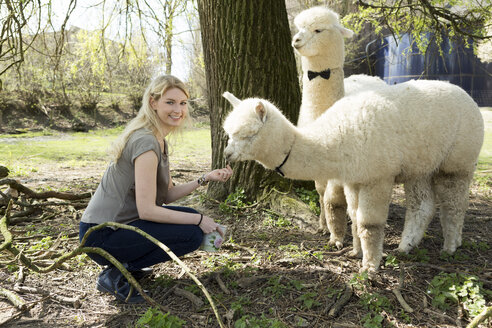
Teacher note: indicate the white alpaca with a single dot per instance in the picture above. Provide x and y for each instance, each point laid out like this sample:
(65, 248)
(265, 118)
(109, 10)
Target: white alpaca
(320, 42)
(428, 138)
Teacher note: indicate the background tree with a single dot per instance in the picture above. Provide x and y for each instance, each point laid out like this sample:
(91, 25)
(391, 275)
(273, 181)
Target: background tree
(22, 22)
(457, 20)
(247, 52)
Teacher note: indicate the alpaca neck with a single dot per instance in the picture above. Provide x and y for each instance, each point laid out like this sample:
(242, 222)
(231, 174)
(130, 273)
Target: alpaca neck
(319, 94)
(297, 160)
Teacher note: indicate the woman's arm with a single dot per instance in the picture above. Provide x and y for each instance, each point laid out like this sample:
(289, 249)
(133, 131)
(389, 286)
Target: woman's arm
(176, 192)
(146, 190)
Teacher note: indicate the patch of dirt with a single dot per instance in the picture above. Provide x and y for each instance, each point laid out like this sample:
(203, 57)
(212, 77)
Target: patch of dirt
(298, 277)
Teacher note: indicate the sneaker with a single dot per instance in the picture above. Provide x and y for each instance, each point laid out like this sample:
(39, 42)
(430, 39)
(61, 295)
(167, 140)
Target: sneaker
(142, 273)
(112, 281)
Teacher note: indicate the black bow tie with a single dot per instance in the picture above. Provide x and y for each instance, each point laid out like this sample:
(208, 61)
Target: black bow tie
(324, 74)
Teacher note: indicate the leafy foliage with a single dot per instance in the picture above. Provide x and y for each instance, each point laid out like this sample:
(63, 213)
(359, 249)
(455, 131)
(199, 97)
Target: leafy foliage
(309, 300)
(454, 288)
(154, 318)
(248, 321)
(310, 197)
(236, 201)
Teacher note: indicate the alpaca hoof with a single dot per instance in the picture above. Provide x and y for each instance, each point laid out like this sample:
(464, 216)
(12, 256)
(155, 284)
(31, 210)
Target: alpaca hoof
(371, 272)
(450, 250)
(322, 231)
(405, 249)
(355, 254)
(451, 247)
(338, 244)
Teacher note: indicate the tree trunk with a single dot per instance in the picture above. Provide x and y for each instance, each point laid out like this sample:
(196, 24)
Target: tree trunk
(247, 51)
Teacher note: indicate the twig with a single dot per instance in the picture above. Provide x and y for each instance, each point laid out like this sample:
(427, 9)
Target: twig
(340, 303)
(245, 248)
(397, 292)
(440, 315)
(20, 276)
(73, 301)
(221, 283)
(248, 281)
(339, 252)
(197, 302)
(402, 301)
(13, 298)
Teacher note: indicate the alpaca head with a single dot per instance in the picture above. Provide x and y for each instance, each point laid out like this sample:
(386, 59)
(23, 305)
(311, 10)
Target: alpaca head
(251, 127)
(320, 34)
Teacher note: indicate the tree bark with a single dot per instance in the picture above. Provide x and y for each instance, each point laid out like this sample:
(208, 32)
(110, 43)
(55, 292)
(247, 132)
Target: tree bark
(4, 171)
(247, 52)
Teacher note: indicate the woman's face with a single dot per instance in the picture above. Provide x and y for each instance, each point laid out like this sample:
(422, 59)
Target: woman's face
(171, 108)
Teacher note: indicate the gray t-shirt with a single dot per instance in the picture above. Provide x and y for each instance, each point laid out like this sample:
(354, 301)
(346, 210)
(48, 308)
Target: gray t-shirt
(114, 199)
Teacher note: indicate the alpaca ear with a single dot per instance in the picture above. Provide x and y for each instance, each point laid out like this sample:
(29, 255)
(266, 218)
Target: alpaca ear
(231, 98)
(261, 111)
(347, 33)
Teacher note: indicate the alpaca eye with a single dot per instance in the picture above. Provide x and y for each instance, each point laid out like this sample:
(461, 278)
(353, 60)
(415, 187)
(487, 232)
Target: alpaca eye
(317, 31)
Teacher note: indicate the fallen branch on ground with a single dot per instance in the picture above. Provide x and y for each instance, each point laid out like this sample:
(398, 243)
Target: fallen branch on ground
(197, 302)
(340, 303)
(14, 184)
(15, 299)
(73, 301)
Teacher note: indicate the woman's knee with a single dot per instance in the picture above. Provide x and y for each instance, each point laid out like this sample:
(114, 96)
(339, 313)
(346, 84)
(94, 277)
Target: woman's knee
(196, 237)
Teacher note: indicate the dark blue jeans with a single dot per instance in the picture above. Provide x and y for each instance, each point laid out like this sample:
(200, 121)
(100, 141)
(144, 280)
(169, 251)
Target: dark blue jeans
(137, 251)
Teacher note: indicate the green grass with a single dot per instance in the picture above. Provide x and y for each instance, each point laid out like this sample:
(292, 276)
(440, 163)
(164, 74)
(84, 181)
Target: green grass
(29, 151)
(485, 159)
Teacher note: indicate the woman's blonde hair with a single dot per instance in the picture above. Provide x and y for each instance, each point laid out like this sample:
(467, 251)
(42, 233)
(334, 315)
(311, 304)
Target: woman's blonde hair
(147, 116)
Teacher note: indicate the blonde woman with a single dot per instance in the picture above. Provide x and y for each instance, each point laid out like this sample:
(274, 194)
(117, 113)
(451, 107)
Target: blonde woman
(134, 188)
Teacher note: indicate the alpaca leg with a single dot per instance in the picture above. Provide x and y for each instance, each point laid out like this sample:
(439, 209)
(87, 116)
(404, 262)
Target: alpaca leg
(320, 188)
(372, 213)
(420, 203)
(335, 207)
(452, 193)
(352, 194)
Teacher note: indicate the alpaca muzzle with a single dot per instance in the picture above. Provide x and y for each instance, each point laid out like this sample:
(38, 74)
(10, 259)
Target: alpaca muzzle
(228, 154)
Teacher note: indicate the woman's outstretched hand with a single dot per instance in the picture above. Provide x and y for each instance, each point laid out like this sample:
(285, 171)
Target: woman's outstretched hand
(220, 175)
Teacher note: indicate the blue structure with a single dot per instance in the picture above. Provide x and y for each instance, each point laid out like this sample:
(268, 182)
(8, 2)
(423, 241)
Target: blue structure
(401, 61)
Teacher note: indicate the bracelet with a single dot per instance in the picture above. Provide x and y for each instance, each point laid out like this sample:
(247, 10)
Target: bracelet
(201, 218)
(201, 181)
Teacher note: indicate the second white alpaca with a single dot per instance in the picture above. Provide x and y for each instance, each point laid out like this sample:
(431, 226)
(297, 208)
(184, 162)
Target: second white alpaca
(428, 138)
(320, 43)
